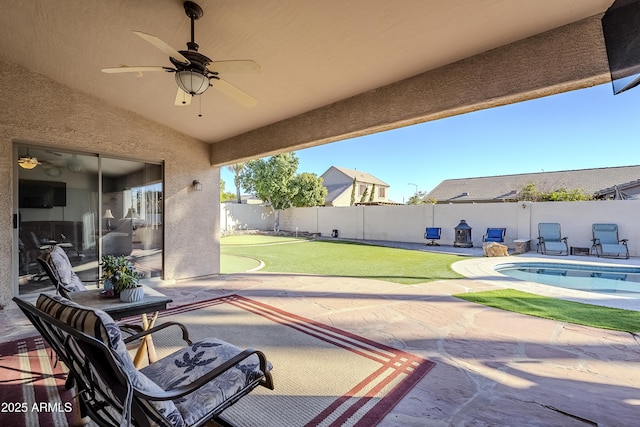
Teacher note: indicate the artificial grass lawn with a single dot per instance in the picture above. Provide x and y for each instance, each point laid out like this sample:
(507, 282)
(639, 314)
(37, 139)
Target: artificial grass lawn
(346, 259)
(556, 309)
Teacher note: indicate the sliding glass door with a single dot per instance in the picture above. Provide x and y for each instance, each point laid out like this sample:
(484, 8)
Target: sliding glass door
(89, 205)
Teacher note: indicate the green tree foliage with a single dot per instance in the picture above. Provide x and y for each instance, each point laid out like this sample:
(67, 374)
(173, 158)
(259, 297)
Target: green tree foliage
(419, 198)
(237, 171)
(225, 196)
(274, 181)
(364, 195)
(311, 192)
(353, 192)
(530, 193)
(373, 193)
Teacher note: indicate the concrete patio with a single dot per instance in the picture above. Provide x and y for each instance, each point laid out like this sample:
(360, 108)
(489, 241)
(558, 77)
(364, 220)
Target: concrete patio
(492, 367)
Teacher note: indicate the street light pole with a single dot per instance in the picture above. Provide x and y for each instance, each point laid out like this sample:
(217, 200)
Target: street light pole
(415, 185)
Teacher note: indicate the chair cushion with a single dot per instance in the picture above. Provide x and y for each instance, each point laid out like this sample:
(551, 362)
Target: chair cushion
(59, 262)
(190, 363)
(98, 324)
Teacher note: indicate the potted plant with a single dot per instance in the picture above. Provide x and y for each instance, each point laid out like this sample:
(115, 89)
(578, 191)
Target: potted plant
(120, 275)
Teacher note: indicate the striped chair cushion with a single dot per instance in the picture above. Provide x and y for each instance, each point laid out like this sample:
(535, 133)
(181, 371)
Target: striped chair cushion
(100, 325)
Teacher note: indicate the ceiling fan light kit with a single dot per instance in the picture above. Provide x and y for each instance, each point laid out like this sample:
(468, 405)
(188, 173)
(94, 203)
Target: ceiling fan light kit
(27, 162)
(192, 82)
(194, 70)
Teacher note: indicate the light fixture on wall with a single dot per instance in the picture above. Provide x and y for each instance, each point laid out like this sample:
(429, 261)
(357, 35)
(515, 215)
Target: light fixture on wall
(27, 161)
(197, 185)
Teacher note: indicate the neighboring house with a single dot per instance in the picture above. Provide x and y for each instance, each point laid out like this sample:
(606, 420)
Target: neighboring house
(613, 182)
(339, 184)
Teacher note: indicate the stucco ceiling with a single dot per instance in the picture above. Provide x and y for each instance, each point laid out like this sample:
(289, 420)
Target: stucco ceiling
(312, 53)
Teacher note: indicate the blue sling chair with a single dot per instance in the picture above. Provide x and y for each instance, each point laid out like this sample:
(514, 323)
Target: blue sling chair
(433, 234)
(494, 235)
(606, 242)
(550, 240)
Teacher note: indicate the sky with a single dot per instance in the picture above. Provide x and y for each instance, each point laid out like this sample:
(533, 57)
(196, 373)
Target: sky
(588, 128)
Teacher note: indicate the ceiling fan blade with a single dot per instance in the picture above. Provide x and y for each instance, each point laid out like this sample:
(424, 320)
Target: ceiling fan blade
(236, 66)
(135, 69)
(238, 94)
(163, 47)
(182, 98)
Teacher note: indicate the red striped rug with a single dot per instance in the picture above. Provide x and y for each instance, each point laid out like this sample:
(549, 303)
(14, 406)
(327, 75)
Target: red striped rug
(32, 391)
(323, 376)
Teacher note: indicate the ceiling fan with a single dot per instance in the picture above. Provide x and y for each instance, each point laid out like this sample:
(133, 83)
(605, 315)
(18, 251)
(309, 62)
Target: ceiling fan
(194, 72)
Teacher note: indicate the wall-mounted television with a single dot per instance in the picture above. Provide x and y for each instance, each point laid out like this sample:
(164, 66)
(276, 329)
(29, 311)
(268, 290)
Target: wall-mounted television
(42, 194)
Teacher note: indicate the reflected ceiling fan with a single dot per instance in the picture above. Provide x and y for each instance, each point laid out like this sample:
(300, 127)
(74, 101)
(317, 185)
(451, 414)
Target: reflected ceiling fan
(194, 72)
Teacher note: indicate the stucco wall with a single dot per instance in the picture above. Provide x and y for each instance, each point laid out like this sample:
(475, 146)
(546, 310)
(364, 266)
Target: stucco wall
(37, 110)
(407, 223)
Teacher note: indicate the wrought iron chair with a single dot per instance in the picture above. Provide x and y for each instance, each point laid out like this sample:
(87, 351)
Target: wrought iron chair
(550, 239)
(187, 388)
(606, 242)
(433, 234)
(494, 235)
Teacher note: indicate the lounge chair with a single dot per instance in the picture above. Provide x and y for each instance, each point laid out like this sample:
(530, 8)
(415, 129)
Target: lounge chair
(186, 388)
(433, 234)
(494, 235)
(606, 242)
(550, 240)
(56, 264)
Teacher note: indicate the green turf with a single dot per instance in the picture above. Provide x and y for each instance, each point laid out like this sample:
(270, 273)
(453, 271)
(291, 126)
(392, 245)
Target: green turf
(257, 239)
(556, 309)
(237, 264)
(339, 258)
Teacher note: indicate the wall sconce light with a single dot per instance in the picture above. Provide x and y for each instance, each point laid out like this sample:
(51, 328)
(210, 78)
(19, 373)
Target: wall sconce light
(524, 206)
(197, 185)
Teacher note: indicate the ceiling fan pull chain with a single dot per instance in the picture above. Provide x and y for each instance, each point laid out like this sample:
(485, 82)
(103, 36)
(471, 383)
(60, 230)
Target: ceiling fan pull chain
(199, 106)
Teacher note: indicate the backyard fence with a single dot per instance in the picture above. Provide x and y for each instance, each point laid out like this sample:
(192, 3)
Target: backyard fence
(407, 223)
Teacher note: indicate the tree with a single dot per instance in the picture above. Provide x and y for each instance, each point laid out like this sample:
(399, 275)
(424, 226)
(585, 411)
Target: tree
(274, 181)
(237, 171)
(373, 193)
(364, 195)
(353, 192)
(225, 195)
(419, 198)
(311, 192)
(530, 193)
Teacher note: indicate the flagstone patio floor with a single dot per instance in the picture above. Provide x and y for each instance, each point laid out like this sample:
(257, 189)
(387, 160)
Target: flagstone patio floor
(493, 368)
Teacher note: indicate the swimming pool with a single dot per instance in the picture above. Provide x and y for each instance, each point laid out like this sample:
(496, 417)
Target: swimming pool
(617, 280)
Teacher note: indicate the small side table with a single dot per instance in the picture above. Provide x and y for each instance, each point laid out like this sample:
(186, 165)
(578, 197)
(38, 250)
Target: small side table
(522, 245)
(575, 250)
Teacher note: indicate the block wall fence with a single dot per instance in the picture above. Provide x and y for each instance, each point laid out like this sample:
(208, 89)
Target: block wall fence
(407, 223)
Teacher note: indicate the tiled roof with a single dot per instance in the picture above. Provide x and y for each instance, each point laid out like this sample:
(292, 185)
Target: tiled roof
(363, 177)
(505, 187)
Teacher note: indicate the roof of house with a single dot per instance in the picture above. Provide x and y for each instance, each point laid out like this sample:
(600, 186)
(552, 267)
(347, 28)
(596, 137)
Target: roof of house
(359, 176)
(506, 187)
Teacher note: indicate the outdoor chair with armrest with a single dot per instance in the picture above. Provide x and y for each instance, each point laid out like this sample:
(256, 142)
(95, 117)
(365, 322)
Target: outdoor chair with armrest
(606, 242)
(56, 264)
(550, 240)
(494, 235)
(433, 234)
(189, 387)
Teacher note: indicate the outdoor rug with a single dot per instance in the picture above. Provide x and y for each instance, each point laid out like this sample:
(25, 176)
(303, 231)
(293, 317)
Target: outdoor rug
(32, 388)
(323, 376)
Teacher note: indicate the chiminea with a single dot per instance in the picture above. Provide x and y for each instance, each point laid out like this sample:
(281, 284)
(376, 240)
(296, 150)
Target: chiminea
(463, 235)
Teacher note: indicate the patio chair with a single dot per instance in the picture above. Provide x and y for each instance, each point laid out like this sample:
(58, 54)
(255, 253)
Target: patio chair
(433, 234)
(606, 242)
(494, 235)
(191, 386)
(56, 264)
(550, 240)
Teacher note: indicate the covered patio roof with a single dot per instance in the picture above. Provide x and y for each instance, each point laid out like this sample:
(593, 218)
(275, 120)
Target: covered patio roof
(329, 69)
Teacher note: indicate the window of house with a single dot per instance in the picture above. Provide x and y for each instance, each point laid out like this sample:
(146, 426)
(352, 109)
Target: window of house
(361, 189)
(381, 193)
(89, 205)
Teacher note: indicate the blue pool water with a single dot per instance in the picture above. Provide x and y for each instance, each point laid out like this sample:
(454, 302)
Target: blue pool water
(616, 280)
